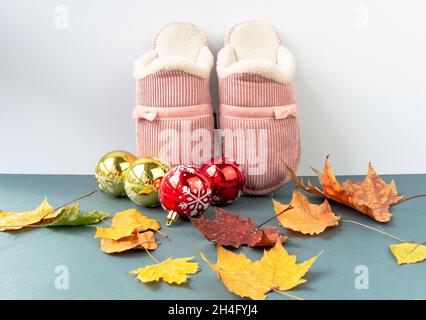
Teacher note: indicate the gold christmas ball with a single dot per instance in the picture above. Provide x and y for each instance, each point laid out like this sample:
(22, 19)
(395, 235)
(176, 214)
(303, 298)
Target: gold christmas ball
(143, 180)
(111, 170)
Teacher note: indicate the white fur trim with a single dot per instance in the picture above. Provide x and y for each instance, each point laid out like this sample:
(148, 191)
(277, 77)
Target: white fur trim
(200, 69)
(286, 63)
(205, 58)
(282, 71)
(178, 46)
(142, 62)
(225, 58)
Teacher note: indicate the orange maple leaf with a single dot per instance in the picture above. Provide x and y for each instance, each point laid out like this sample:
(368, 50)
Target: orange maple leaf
(305, 217)
(372, 197)
(144, 240)
(130, 229)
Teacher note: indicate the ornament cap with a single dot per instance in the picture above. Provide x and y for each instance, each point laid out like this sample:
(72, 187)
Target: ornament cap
(172, 217)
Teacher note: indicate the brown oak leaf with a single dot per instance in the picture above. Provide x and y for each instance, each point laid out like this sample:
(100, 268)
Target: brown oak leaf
(372, 197)
(229, 229)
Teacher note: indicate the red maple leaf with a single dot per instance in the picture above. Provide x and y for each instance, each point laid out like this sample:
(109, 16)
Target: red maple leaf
(229, 229)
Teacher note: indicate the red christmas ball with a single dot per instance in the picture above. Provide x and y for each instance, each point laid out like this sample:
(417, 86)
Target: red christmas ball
(227, 180)
(185, 191)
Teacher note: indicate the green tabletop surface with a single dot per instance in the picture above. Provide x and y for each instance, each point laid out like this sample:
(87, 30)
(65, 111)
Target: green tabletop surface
(31, 260)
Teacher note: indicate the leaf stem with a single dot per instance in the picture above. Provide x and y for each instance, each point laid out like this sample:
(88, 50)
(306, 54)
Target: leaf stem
(162, 233)
(284, 293)
(149, 253)
(374, 229)
(410, 198)
(274, 217)
(71, 201)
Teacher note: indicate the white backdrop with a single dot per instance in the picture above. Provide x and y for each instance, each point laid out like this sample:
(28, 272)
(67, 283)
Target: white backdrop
(66, 90)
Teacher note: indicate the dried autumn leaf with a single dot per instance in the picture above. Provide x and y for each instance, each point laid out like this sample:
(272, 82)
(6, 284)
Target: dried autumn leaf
(125, 223)
(408, 252)
(229, 229)
(144, 240)
(18, 220)
(276, 270)
(52, 215)
(372, 197)
(305, 217)
(82, 219)
(133, 217)
(71, 216)
(114, 233)
(169, 270)
(130, 229)
(46, 216)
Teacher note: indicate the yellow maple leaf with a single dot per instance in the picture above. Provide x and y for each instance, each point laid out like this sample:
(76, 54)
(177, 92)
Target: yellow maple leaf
(169, 270)
(114, 233)
(125, 223)
(276, 270)
(144, 240)
(18, 220)
(133, 217)
(408, 252)
(305, 217)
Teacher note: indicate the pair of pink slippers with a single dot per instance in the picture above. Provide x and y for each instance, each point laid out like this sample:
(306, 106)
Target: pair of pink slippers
(258, 115)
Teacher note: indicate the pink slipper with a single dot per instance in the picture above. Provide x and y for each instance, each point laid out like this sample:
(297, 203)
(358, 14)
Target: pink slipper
(258, 112)
(174, 115)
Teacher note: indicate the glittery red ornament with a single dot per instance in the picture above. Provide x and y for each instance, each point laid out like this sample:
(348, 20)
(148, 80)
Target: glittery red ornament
(227, 180)
(185, 191)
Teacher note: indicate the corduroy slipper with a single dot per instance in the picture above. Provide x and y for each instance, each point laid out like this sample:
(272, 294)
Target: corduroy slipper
(173, 113)
(258, 112)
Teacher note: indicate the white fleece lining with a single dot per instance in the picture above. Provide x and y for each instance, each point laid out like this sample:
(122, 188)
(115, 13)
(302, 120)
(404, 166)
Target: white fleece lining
(180, 39)
(254, 40)
(178, 46)
(254, 47)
